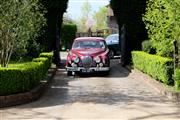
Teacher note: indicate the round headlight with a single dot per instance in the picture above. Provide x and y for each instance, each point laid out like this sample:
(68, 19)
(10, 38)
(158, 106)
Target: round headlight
(101, 64)
(76, 60)
(97, 59)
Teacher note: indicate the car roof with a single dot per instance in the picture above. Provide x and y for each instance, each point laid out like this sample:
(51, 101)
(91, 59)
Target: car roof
(113, 35)
(89, 38)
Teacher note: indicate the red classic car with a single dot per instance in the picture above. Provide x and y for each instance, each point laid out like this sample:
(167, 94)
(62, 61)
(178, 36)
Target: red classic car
(88, 54)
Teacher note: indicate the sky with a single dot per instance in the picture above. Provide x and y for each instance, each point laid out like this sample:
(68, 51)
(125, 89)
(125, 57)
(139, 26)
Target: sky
(74, 7)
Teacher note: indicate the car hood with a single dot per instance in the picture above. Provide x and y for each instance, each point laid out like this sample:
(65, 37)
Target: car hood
(85, 52)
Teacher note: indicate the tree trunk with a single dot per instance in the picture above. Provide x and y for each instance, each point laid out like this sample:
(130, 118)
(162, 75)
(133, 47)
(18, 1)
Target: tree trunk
(57, 59)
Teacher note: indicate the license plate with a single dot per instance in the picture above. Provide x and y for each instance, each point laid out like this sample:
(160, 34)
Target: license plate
(86, 70)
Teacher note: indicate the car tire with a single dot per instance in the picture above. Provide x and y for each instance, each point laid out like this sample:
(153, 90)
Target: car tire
(69, 73)
(111, 54)
(106, 73)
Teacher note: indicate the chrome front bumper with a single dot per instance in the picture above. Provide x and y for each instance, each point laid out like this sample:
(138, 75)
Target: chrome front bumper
(92, 69)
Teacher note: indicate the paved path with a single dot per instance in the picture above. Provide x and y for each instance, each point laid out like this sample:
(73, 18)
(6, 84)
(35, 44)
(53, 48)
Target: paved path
(120, 96)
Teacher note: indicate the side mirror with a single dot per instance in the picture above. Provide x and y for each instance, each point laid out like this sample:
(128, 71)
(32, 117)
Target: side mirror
(67, 50)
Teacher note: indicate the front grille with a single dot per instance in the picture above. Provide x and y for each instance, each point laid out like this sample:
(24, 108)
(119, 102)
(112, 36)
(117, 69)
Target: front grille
(87, 61)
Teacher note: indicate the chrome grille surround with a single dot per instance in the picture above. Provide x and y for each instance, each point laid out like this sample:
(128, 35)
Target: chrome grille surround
(87, 61)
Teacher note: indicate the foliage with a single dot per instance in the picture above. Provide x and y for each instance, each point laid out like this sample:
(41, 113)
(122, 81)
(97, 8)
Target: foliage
(82, 21)
(48, 55)
(15, 80)
(177, 79)
(67, 19)
(55, 10)
(23, 77)
(147, 47)
(160, 68)
(45, 61)
(129, 13)
(20, 21)
(162, 19)
(33, 48)
(100, 19)
(178, 53)
(68, 35)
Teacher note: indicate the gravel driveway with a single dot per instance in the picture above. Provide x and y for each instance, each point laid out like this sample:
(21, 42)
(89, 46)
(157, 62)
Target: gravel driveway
(120, 96)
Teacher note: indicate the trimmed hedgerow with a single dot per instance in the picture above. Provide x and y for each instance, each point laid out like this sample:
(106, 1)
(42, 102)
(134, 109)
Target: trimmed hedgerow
(48, 55)
(160, 68)
(68, 35)
(23, 77)
(177, 79)
(147, 47)
(45, 61)
(20, 79)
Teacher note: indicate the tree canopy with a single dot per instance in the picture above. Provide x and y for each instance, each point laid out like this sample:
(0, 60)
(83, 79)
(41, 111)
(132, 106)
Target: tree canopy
(20, 20)
(100, 19)
(51, 38)
(162, 19)
(129, 13)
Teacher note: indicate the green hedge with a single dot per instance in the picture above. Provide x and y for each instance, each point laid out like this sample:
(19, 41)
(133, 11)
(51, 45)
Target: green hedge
(48, 55)
(23, 77)
(177, 79)
(163, 24)
(159, 68)
(68, 35)
(45, 61)
(129, 15)
(147, 47)
(15, 80)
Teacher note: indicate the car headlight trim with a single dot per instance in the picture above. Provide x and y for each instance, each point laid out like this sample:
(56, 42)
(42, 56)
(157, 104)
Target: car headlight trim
(97, 59)
(76, 60)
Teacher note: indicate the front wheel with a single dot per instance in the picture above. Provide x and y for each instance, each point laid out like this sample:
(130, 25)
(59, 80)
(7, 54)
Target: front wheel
(69, 73)
(106, 73)
(111, 54)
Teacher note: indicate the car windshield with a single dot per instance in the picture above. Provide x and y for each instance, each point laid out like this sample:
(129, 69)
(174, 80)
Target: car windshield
(88, 44)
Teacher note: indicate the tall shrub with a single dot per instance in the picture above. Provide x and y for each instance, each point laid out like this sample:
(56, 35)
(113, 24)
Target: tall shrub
(158, 67)
(162, 19)
(129, 13)
(68, 35)
(20, 20)
(55, 10)
(177, 79)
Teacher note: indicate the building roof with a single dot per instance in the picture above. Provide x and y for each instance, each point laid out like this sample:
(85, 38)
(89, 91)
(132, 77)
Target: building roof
(110, 11)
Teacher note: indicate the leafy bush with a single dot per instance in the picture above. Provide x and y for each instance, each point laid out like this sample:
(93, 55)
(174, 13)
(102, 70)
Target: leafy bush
(44, 61)
(129, 14)
(147, 47)
(48, 55)
(21, 21)
(177, 79)
(68, 35)
(163, 24)
(20, 79)
(159, 68)
(23, 77)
